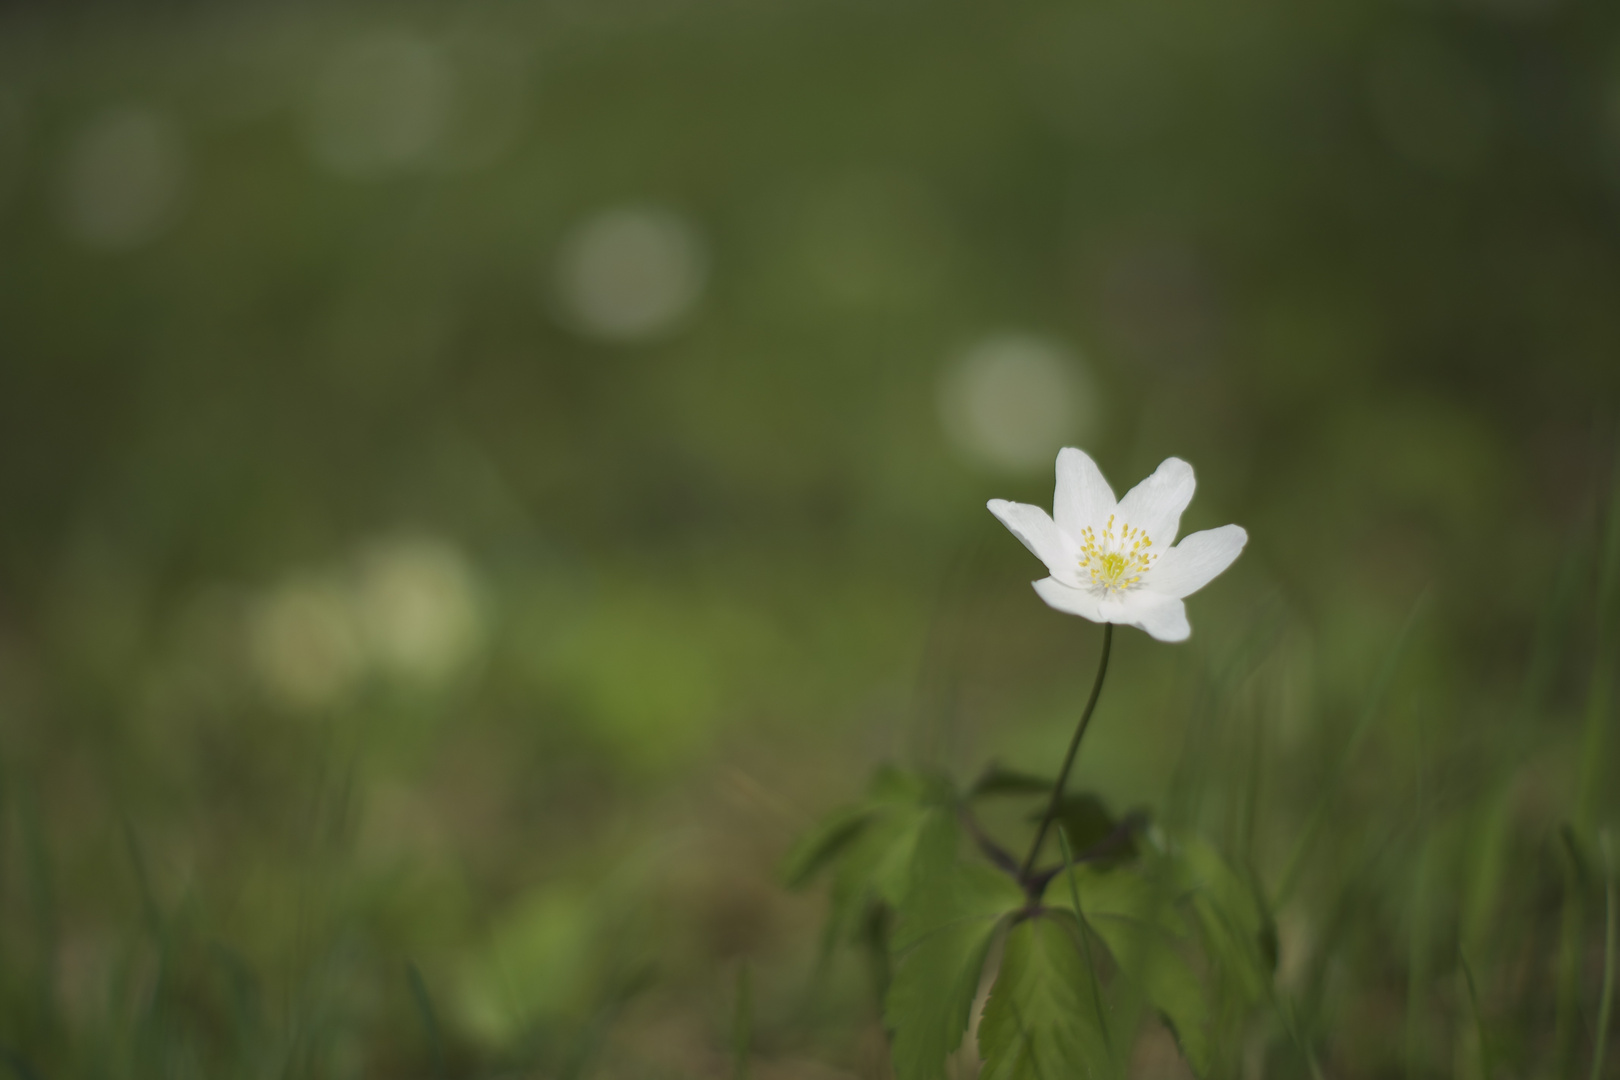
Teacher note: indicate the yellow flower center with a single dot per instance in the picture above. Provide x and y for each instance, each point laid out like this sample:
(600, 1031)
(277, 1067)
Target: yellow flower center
(1115, 560)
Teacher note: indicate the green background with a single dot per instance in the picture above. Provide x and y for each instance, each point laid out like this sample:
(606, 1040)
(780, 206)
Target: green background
(402, 676)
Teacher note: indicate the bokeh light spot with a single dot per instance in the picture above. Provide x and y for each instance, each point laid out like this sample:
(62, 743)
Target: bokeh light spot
(304, 642)
(630, 274)
(381, 105)
(1010, 401)
(122, 179)
(418, 605)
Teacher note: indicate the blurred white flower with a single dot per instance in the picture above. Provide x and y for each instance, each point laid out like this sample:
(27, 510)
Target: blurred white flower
(1112, 562)
(304, 643)
(1012, 397)
(418, 605)
(630, 274)
(122, 179)
(382, 104)
(407, 609)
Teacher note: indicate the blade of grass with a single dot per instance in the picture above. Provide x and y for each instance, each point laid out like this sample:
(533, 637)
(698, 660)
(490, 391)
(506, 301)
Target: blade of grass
(1338, 935)
(1554, 625)
(1487, 1067)
(1589, 782)
(5, 801)
(41, 899)
(1287, 1016)
(1190, 777)
(1605, 1013)
(1249, 805)
(152, 1020)
(1318, 817)
(932, 729)
(1599, 715)
(1571, 946)
(742, 1024)
(430, 1020)
(242, 1005)
(591, 1037)
(1489, 865)
(143, 881)
(1417, 966)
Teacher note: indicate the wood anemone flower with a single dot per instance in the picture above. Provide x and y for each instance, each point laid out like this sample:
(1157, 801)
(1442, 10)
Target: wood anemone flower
(1112, 561)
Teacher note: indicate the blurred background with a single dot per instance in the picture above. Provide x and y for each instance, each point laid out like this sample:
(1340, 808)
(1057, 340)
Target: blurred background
(478, 480)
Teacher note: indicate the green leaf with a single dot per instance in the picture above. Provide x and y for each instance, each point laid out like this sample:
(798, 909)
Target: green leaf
(949, 917)
(826, 840)
(1150, 959)
(903, 806)
(892, 785)
(997, 780)
(1086, 822)
(1083, 816)
(1136, 918)
(871, 844)
(871, 874)
(1043, 1018)
(1236, 926)
(1121, 893)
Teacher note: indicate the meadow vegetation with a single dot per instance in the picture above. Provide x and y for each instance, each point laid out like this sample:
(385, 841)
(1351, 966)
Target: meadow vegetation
(479, 483)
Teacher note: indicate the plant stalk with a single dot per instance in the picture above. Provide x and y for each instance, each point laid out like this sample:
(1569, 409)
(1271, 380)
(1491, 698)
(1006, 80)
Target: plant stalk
(1068, 758)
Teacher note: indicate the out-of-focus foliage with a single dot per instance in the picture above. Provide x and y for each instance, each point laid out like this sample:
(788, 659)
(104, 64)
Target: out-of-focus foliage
(476, 482)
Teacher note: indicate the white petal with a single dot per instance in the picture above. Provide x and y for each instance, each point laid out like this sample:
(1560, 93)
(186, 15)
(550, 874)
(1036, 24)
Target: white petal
(1163, 617)
(1037, 532)
(1072, 601)
(1155, 505)
(1083, 497)
(1194, 562)
(1112, 610)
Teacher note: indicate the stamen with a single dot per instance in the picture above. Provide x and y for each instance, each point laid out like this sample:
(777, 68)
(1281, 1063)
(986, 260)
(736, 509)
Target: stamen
(1112, 568)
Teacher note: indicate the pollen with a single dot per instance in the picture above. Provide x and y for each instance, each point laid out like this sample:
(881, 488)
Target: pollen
(1114, 560)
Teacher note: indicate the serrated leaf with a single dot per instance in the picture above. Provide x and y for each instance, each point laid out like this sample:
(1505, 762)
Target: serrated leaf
(1043, 1020)
(903, 816)
(948, 919)
(1136, 918)
(874, 866)
(894, 849)
(1150, 959)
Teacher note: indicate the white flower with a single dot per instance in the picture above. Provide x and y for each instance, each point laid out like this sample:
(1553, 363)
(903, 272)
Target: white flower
(1112, 562)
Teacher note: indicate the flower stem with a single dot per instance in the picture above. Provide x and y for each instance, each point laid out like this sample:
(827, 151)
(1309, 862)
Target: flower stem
(1068, 758)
